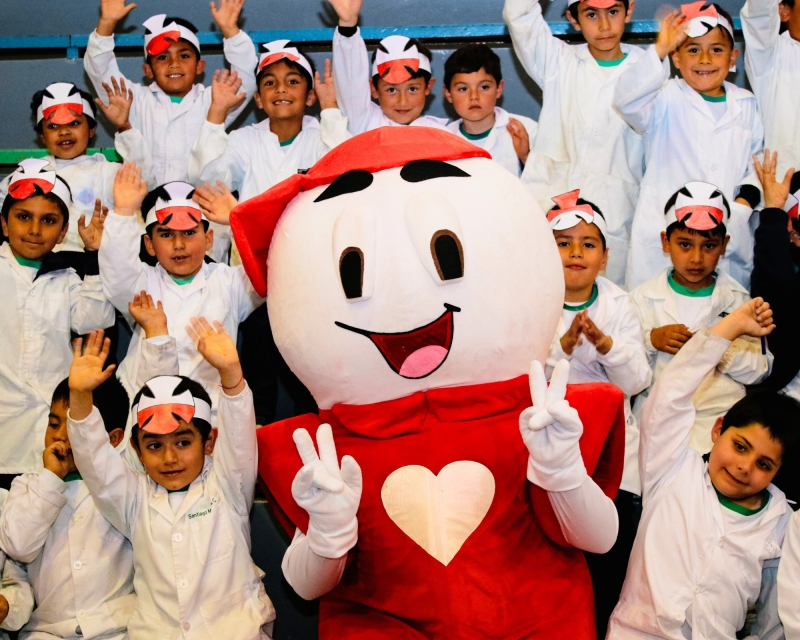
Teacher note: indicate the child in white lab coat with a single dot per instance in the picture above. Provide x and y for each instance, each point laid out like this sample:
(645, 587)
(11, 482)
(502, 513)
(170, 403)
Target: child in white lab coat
(16, 595)
(692, 295)
(600, 335)
(399, 77)
(697, 127)
(708, 527)
(473, 83)
(46, 300)
(581, 142)
(170, 111)
(187, 515)
(789, 580)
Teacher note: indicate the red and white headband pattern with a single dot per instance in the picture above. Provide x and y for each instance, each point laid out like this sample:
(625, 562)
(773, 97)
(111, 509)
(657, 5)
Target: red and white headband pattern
(700, 206)
(160, 409)
(31, 174)
(159, 36)
(179, 212)
(277, 51)
(61, 103)
(569, 213)
(397, 58)
(702, 18)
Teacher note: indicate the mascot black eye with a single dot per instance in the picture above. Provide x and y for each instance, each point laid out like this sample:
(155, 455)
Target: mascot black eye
(351, 272)
(448, 255)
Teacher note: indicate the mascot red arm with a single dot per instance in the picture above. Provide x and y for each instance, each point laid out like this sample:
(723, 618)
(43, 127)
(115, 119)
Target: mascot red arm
(411, 284)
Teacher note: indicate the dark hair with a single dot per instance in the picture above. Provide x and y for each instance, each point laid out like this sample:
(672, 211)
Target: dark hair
(788, 3)
(10, 201)
(61, 393)
(38, 98)
(110, 398)
(292, 65)
(573, 9)
(421, 73)
(725, 15)
(197, 391)
(472, 58)
(150, 201)
(717, 232)
(183, 23)
(596, 209)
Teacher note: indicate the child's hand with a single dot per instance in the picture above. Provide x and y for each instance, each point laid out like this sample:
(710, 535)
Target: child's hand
(324, 88)
(347, 10)
(92, 233)
(225, 96)
(149, 316)
(216, 202)
(129, 189)
(753, 318)
(670, 338)
(775, 193)
(219, 351)
(120, 99)
(4, 609)
(519, 136)
(572, 338)
(227, 16)
(602, 343)
(111, 12)
(86, 372)
(671, 35)
(58, 458)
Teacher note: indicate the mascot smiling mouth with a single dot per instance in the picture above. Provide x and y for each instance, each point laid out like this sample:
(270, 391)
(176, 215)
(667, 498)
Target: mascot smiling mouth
(417, 353)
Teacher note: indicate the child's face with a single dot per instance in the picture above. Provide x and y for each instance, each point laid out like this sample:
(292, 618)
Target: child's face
(602, 28)
(67, 141)
(174, 460)
(402, 102)
(57, 429)
(743, 460)
(474, 95)
(180, 253)
(34, 227)
(175, 69)
(705, 62)
(694, 257)
(283, 92)
(791, 16)
(582, 255)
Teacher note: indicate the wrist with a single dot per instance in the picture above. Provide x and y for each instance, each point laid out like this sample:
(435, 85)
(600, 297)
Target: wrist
(729, 328)
(155, 332)
(348, 22)
(124, 210)
(106, 26)
(604, 345)
(661, 51)
(127, 126)
(232, 378)
(230, 32)
(216, 114)
(567, 347)
(56, 470)
(80, 404)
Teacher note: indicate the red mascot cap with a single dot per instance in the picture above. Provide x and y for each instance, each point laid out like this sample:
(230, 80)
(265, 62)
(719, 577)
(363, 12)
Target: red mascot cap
(253, 222)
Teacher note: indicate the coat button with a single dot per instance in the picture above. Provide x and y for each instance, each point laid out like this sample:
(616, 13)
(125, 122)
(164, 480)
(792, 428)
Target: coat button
(77, 564)
(721, 543)
(697, 589)
(177, 537)
(186, 626)
(81, 614)
(183, 584)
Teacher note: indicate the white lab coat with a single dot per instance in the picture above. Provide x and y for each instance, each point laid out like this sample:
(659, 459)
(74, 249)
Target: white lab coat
(789, 580)
(625, 365)
(35, 350)
(194, 575)
(217, 292)
(88, 177)
(691, 575)
(15, 588)
(657, 306)
(168, 129)
(581, 142)
(352, 76)
(81, 567)
(684, 143)
(499, 142)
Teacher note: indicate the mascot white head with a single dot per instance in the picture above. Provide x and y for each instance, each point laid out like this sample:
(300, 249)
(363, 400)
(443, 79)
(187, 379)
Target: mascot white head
(404, 260)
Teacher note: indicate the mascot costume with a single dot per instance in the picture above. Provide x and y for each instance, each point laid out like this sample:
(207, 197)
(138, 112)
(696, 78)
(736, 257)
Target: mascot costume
(413, 285)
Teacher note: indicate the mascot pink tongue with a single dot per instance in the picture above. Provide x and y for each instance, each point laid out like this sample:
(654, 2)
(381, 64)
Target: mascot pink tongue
(411, 283)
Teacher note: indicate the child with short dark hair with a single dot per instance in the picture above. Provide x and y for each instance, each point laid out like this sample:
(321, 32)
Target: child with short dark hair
(692, 295)
(473, 82)
(80, 566)
(709, 524)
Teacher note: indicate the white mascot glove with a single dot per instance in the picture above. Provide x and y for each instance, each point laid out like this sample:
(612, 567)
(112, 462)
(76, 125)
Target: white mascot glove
(551, 430)
(330, 496)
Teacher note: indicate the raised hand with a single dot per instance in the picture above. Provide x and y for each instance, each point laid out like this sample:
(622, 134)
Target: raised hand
(227, 16)
(86, 372)
(129, 189)
(149, 316)
(520, 139)
(111, 12)
(329, 493)
(325, 89)
(219, 350)
(225, 95)
(92, 233)
(775, 193)
(670, 338)
(118, 109)
(216, 202)
(602, 343)
(671, 35)
(347, 10)
(58, 458)
(753, 318)
(572, 338)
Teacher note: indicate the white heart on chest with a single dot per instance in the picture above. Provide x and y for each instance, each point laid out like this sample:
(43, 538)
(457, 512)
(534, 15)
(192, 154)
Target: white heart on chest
(439, 512)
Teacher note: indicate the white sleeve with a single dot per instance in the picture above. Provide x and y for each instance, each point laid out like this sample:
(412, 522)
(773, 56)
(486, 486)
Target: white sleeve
(744, 362)
(332, 130)
(133, 147)
(761, 24)
(115, 488)
(32, 506)
(100, 64)
(789, 580)
(351, 76)
(213, 158)
(16, 589)
(89, 307)
(668, 414)
(122, 273)
(626, 362)
(310, 575)
(157, 357)
(240, 52)
(637, 91)
(646, 324)
(587, 516)
(767, 625)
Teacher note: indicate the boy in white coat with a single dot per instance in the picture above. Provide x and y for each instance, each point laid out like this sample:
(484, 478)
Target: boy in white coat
(708, 527)
(789, 580)
(473, 83)
(581, 142)
(187, 516)
(697, 127)
(46, 300)
(170, 111)
(692, 295)
(16, 595)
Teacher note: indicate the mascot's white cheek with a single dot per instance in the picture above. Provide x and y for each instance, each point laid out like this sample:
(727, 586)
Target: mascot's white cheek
(405, 286)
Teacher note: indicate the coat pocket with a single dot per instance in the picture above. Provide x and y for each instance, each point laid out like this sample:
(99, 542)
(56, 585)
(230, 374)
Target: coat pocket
(212, 534)
(247, 613)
